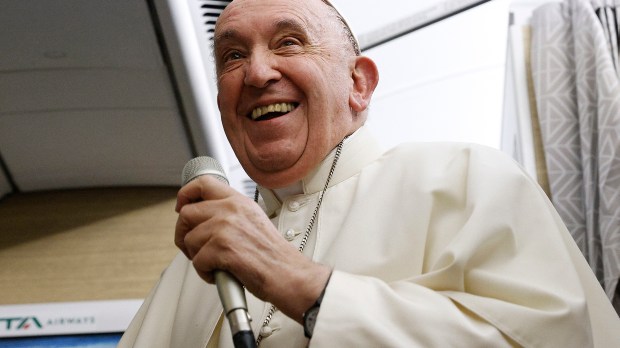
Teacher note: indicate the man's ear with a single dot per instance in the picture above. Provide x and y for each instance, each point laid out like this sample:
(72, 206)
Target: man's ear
(365, 78)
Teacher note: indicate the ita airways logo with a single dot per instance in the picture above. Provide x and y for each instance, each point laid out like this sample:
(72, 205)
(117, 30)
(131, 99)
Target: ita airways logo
(20, 323)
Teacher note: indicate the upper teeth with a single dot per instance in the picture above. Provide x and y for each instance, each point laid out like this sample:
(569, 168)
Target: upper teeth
(278, 107)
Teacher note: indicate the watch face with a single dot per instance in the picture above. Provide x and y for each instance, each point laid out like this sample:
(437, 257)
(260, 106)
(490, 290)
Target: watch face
(311, 320)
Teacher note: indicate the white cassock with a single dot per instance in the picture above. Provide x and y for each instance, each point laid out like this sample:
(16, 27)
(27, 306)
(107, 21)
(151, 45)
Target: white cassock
(432, 245)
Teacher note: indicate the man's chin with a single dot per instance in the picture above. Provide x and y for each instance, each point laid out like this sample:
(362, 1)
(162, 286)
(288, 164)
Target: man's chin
(277, 175)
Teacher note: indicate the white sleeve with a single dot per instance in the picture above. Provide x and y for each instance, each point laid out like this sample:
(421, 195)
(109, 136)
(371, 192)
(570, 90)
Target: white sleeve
(501, 272)
(360, 311)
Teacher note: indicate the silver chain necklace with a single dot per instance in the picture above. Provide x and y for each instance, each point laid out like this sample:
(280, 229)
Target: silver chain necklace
(304, 240)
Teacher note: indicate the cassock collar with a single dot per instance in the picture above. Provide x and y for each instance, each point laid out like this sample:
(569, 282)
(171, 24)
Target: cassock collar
(358, 151)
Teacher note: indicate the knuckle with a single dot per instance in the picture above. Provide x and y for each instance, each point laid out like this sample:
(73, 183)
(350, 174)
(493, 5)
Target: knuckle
(201, 263)
(185, 212)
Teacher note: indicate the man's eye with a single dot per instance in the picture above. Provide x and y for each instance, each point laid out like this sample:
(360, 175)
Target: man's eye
(289, 42)
(232, 56)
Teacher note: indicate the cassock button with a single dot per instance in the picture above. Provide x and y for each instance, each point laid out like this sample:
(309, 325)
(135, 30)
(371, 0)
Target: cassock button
(294, 205)
(290, 234)
(266, 331)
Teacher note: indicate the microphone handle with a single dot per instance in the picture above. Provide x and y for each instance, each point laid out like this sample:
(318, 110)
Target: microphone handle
(244, 339)
(232, 296)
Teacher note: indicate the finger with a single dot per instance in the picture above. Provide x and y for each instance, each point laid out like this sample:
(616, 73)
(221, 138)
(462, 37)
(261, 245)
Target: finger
(203, 266)
(197, 239)
(190, 216)
(180, 231)
(204, 187)
(208, 277)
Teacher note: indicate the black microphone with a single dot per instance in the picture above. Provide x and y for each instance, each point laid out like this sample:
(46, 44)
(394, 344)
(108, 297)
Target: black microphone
(229, 288)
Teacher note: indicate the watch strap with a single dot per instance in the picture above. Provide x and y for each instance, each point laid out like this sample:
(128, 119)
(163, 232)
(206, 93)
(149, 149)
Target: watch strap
(313, 310)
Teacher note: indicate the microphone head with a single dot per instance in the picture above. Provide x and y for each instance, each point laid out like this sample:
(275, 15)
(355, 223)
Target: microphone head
(203, 165)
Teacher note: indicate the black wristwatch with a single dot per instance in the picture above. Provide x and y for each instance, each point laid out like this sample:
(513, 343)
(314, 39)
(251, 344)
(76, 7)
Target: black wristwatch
(311, 314)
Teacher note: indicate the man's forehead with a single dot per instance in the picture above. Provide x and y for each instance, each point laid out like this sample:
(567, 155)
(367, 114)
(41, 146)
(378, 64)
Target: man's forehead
(307, 3)
(239, 9)
(326, 2)
(278, 25)
(235, 29)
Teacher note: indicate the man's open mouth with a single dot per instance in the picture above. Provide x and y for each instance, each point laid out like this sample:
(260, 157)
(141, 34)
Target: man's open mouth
(268, 112)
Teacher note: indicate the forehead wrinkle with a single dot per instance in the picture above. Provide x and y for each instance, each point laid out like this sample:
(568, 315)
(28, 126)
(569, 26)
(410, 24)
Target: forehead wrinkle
(280, 25)
(290, 24)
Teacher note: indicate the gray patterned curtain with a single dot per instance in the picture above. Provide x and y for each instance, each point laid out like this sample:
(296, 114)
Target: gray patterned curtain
(574, 55)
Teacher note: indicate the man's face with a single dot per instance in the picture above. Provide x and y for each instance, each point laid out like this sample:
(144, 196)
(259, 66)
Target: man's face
(284, 81)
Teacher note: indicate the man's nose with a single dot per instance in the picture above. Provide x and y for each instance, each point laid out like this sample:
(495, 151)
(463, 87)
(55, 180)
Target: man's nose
(261, 70)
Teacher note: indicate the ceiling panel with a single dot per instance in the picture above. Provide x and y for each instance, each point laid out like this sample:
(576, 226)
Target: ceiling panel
(77, 34)
(87, 99)
(94, 148)
(76, 89)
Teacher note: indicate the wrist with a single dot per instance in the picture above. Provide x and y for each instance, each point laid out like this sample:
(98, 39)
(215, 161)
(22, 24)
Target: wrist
(297, 288)
(311, 314)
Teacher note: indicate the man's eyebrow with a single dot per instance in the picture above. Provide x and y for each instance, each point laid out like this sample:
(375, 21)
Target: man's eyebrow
(227, 35)
(281, 24)
(285, 24)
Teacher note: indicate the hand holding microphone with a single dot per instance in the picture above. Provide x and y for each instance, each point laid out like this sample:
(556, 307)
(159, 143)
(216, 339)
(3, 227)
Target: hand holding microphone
(230, 290)
(220, 229)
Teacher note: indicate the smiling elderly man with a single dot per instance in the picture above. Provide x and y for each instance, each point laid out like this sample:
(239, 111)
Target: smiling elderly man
(426, 245)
